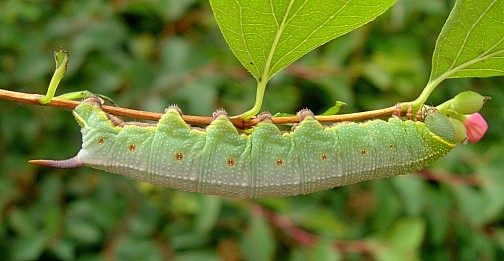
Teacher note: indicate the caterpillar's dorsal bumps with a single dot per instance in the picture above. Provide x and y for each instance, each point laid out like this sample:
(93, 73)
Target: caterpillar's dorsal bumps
(265, 163)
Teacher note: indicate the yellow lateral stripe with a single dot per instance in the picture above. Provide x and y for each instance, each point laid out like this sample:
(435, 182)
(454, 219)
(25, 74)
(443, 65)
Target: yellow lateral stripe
(449, 144)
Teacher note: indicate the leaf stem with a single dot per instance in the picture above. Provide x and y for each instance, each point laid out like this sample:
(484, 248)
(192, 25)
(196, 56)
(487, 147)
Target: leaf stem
(433, 83)
(61, 59)
(261, 87)
(422, 98)
(262, 81)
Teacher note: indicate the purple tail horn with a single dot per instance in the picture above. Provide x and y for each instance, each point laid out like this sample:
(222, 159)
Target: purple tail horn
(61, 164)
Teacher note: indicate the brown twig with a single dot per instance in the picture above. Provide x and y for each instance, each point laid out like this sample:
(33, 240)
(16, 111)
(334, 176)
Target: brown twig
(451, 179)
(196, 120)
(308, 239)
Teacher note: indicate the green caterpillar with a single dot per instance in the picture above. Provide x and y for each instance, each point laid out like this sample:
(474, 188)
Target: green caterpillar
(265, 163)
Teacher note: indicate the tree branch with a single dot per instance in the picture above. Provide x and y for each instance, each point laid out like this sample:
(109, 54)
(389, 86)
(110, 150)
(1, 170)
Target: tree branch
(29, 98)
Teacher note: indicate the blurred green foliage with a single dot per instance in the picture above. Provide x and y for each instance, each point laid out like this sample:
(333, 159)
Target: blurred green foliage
(149, 54)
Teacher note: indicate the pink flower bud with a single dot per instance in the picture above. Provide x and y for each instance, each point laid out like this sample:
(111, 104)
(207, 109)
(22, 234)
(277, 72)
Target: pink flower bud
(476, 127)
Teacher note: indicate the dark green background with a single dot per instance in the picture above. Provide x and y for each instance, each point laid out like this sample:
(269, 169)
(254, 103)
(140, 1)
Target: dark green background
(150, 54)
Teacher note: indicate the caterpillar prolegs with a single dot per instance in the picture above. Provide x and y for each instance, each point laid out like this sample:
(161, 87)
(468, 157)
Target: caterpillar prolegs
(266, 163)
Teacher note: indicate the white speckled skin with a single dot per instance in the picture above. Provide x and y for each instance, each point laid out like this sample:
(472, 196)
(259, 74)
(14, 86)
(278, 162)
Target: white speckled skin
(266, 163)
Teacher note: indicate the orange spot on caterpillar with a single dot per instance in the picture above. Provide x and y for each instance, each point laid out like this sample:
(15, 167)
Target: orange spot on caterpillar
(179, 156)
(390, 146)
(132, 147)
(324, 157)
(230, 162)
(363, 152)
(279, 162)
(101, 141)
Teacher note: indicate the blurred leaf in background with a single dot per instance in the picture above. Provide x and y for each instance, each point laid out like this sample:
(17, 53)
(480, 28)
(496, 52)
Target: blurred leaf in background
(149, 54)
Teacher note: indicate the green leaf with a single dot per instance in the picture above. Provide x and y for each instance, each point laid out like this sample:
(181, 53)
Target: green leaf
(197, 255)
(471, 43)
(334, 109)
(266, 36)
(324, 250)
(84, 94)
(83, 231)
(402, 240)
(133, 247)
(64, 249)
(499, 237)
(407, 234)
(412, 194)
(30, 247)
(283, 114)
(437, 211)
(208, 213)
(21, 222)
(492, 193)
(470, 204)
(258, 243)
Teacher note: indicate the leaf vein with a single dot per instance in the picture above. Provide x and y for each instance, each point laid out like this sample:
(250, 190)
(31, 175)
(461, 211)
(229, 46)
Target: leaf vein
(280, 59)
(472, 27)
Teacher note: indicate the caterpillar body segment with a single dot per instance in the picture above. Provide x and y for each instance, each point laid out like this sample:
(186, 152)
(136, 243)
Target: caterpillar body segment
(266, 163)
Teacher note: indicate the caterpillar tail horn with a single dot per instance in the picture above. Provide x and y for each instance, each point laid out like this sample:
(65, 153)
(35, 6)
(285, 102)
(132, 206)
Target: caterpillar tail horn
(61, 164)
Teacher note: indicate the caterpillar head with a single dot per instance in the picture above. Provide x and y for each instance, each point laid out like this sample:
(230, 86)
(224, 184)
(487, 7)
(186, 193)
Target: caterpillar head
(445, 127)
(462, 112)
